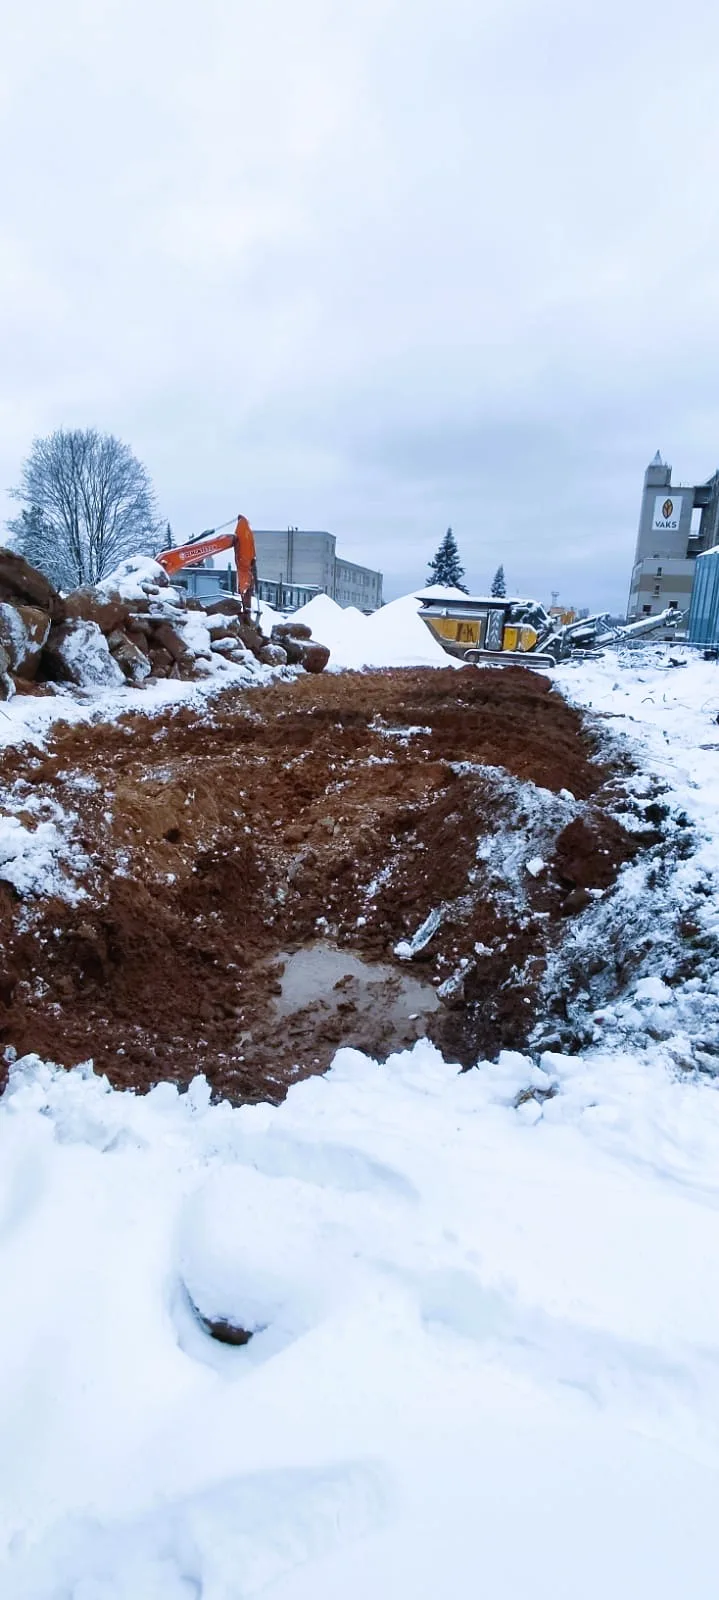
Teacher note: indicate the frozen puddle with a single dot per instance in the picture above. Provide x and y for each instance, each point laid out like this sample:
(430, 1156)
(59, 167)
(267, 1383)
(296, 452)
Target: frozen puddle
(336, 981)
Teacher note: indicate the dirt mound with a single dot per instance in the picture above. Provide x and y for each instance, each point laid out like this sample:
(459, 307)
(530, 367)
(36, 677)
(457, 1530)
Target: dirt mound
(447, 816)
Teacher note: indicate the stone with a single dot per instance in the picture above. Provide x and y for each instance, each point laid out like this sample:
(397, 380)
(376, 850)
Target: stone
(134, 663)
(19, 581)
(7, 687)
(140, 640)
(93, 605)
(251, 637)
(291, 630)
(293, 649)
(272, 655)
(13, 634)
(577, 900)
(23, 631)
(232, 649)
(166, 637)
(161, 662)
(77, 652)
(306, 653)
(37, 628)
(222, 626)
(230, 604)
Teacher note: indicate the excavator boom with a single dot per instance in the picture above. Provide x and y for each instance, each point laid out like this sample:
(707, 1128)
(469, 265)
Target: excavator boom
(241, 542)
(185, 555)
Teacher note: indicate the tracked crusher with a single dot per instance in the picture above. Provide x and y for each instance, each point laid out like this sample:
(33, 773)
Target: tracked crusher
(482, 629)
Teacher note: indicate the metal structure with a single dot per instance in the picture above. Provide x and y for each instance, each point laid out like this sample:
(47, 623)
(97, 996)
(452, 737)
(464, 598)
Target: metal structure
(703, 626)
(482, 629)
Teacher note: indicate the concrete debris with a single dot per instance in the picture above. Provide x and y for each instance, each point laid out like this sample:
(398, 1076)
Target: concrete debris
(134, 627)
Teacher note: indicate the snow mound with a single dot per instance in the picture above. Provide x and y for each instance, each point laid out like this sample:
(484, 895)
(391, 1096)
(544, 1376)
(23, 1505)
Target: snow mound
(132, 579)
(396, 636)
(342, 629)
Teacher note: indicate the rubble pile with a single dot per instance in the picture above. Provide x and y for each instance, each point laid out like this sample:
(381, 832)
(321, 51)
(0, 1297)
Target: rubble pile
(132, 628)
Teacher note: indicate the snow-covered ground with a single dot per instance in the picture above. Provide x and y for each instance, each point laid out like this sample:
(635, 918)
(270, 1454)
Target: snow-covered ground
(485, 1307)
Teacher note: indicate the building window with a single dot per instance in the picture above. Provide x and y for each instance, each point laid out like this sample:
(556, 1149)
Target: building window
(659, 572)
(657, 588)
(647, 610)
(673, 605)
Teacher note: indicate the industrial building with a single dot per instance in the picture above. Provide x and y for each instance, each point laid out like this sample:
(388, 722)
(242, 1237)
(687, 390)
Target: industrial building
(677, 522)
(309, 559)
(292, 566)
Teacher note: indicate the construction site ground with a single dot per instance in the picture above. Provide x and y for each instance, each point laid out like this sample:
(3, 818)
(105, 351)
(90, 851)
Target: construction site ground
(252, 866)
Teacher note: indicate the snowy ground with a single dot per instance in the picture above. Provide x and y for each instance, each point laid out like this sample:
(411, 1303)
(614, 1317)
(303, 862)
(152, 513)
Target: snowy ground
(486, 1306)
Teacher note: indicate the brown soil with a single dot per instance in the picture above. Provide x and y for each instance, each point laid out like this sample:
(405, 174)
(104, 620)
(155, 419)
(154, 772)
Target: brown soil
(345, 808)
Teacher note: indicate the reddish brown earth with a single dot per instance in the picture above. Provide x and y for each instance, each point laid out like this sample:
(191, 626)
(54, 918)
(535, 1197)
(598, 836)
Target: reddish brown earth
(217, 839)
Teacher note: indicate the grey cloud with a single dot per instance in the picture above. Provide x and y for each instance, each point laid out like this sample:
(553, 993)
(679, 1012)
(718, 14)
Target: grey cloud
(379, 267)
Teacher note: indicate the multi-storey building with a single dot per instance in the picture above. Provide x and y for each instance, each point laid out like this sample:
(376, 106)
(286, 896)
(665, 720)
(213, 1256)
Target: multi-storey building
(676, 523)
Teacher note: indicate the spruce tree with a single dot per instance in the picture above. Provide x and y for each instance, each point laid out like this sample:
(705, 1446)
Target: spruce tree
(446, 567)
(499, 587)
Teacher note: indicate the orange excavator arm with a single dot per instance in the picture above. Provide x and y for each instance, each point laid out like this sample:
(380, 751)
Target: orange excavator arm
(241, 542)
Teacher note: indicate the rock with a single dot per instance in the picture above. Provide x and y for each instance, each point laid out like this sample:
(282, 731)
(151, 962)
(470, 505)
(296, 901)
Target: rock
(77, 652)
(315, 657)
(94, 605)
(272, 655)
(233, 649)
(291, 630)
(134, 663)
(23, 631)
(13, 634)
(577, 900)
(293, 649)
(252, 637)
(19, 581)
(223, 627)
(140, 640)
(7, 687)
(37, 628)
(166, 636)
(230, 604)
(161, 662)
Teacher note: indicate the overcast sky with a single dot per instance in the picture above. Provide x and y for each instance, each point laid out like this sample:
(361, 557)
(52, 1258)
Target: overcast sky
(376, 266)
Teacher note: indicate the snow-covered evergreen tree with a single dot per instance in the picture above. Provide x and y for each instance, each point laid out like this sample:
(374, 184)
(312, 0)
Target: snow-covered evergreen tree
(499, 587)
(446, 567)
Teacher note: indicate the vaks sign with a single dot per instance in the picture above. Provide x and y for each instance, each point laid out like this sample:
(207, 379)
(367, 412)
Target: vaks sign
(667, 513)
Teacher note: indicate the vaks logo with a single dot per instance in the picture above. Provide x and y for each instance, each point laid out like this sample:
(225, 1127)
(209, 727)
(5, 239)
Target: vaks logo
(667, 508)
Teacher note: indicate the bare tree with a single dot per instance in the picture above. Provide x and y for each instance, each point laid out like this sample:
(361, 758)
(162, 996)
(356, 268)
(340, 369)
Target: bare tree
(87, 502)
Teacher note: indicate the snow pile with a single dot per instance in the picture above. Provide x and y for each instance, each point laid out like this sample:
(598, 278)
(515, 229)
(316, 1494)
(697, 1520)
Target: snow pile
(342, 629)
(479, 1303)
(397, 637)
(134, 579)
(394, 636)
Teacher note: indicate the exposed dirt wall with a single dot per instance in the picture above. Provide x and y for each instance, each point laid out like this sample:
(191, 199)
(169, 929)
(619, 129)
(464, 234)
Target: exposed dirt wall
(347, 808)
